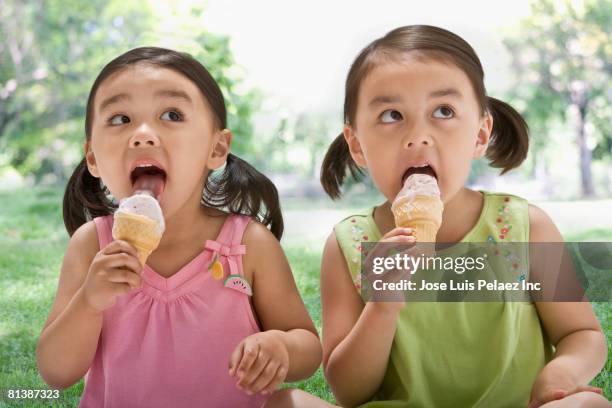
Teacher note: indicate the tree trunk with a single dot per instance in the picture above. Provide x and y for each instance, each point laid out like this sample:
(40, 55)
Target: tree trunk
(586, 178)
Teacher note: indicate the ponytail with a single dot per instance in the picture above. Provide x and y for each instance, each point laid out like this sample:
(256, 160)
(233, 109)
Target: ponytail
(509, 137)
(242, 190)
(333, 169)
(84, 199)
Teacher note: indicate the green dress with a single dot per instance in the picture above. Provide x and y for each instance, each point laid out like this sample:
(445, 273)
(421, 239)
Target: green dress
(460, 354)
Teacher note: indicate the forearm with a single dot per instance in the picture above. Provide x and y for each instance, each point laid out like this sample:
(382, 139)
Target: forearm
(356, 367)
(304, 349)
(67, 346)
(582, 354)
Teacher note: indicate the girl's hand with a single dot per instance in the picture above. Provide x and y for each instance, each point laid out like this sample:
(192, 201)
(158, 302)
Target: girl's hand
(114, 271)
(400, 236)
(551, 385)
(260, 362)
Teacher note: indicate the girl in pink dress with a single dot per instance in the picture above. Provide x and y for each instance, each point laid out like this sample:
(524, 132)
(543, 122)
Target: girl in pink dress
(214, 317)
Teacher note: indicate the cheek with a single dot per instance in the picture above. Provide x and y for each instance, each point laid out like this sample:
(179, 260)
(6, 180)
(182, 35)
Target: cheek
(455, 165)
(380, 159)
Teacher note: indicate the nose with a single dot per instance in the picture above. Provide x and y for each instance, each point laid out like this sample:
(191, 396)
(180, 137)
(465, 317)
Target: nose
(418, 136)
(144, 136)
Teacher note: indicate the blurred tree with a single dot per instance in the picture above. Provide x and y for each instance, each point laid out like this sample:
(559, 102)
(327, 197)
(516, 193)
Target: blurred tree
(315, 132)
(51, 51)
(562, 56)
(300, 141)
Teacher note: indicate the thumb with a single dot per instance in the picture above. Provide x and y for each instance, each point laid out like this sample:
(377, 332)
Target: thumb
(235, 358)
(547, 396)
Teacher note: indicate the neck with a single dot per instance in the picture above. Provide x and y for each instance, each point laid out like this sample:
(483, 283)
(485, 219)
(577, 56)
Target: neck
(185, 224)
(460, 214)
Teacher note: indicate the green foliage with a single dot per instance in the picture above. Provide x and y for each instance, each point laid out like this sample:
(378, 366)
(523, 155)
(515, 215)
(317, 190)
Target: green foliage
(51, 52)
(306, 136)
(561, 56)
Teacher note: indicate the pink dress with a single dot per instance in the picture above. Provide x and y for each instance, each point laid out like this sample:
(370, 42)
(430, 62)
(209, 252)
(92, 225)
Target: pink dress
(168, 343)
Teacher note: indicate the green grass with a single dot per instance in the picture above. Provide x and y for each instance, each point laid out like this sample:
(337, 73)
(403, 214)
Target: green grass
(32, 241)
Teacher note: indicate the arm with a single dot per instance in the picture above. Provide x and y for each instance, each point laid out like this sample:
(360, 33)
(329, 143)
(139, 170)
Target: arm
(288, 333)
(572, 327)
(69, 338)
(357, 339)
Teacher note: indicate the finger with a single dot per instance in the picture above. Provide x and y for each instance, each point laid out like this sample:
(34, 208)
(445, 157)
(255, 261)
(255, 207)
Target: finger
(391, 246)
(399, 231)
(587, 388)
(401, 239)
(277, 380)
(255, 370)
(235, 358)
(124, 276)
(558, 394)
(265, 377)
(121, 288)
(118, 246)
(249, 355)
(548, 396)
(123, 261)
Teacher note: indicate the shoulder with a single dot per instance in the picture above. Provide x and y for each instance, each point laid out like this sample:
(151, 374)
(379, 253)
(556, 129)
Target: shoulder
(541, 226)
(257, 235)
(351, 220)
(354, 229)
(85, 240)
(262, 249)
(82, 248)
(502, 199)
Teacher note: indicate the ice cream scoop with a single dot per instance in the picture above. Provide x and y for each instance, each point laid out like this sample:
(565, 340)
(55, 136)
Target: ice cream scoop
(418, 206)
(139, 220)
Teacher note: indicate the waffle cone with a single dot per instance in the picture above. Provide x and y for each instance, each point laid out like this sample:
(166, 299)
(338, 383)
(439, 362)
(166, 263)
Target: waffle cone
(423, 214)
(140, 231)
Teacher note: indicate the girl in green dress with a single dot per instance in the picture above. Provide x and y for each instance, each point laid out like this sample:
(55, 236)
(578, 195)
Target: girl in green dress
(416, 97)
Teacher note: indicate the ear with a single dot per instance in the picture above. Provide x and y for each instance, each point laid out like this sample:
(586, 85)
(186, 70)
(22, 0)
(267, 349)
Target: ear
(220, 149)
(91, 160)
(354, 146)
(484, 135)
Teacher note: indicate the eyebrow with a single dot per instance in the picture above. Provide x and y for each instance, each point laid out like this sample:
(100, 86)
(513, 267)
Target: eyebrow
(446, 92)
(382, 99)
(162, 93)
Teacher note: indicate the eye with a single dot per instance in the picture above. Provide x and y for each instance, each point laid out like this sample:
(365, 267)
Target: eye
(173, 115)
(390, 116)
(444, 112)
(118, 120)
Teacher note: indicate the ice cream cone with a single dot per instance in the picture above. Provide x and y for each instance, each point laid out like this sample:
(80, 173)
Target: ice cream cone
(140, 231)
(418, 206)
(422, 213)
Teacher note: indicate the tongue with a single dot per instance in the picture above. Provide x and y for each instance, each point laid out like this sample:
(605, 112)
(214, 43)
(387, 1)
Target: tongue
(153, 183)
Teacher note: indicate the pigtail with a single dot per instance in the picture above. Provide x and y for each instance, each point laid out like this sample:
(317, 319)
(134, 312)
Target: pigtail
(84, 199)
(242, 190)
(510, 136)
(333, 169)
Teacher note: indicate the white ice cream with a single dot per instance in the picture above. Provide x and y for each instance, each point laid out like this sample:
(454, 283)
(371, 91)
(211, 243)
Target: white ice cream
(143, 204)
(419, 184)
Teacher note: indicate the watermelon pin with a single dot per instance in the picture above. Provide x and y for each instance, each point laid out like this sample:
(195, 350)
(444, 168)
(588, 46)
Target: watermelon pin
(238, 283)
(216, 268)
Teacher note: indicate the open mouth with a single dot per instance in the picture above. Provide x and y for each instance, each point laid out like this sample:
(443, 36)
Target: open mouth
(150, 178)
(426, 169)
